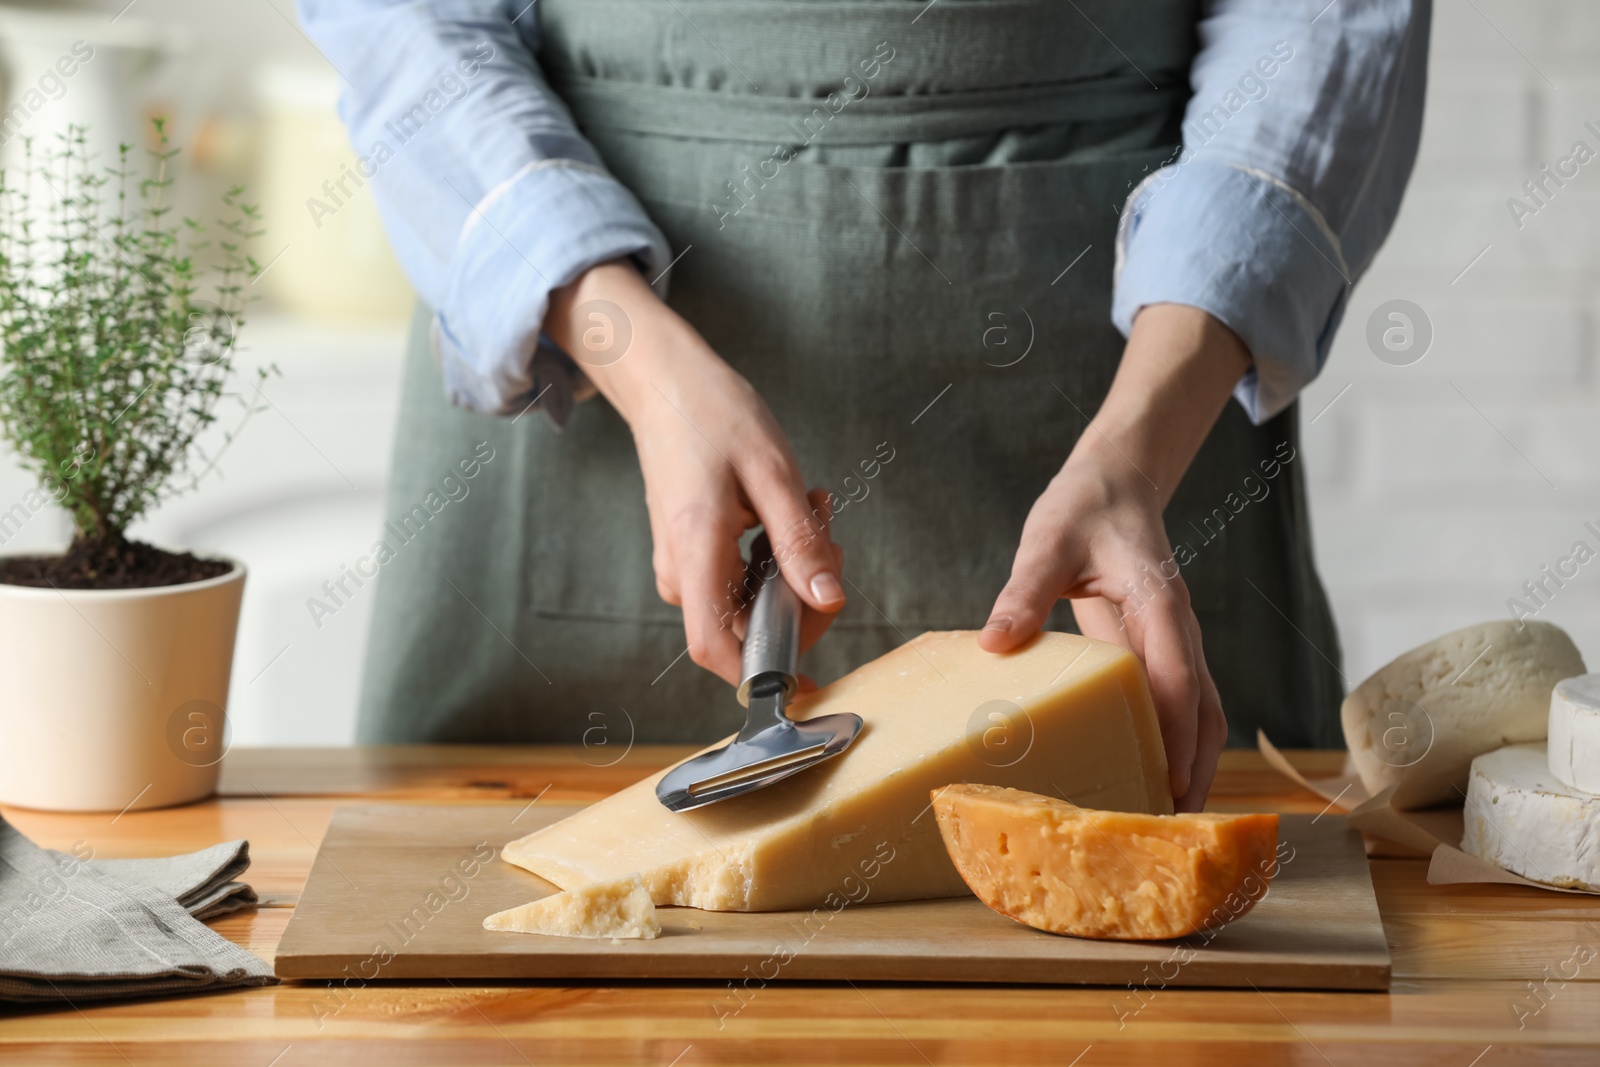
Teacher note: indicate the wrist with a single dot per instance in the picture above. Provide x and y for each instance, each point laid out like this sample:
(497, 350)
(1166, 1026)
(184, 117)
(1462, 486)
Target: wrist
(616, 329)
(1177, 373)
(1106, 478)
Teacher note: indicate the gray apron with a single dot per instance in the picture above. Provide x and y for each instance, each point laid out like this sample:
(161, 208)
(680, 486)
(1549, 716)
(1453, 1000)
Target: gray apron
(915, 272)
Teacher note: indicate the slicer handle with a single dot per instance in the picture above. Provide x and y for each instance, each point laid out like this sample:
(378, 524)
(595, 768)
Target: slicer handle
(772, 638)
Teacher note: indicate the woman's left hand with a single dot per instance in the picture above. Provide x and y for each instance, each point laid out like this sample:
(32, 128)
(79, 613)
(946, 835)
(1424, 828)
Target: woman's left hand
(1096, 536)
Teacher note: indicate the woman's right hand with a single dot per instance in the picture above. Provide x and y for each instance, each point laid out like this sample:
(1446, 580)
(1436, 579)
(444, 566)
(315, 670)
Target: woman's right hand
(715, 462)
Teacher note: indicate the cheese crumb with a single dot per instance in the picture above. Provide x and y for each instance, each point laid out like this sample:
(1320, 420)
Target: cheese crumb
(615, 908)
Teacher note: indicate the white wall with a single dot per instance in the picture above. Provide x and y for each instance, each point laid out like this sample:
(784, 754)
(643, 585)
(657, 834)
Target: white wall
(1438, 488)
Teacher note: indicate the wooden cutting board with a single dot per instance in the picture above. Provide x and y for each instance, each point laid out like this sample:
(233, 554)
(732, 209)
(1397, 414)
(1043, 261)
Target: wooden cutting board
(401, 892)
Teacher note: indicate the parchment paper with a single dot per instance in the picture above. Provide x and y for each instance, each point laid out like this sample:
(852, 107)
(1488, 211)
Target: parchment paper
(1435, 832)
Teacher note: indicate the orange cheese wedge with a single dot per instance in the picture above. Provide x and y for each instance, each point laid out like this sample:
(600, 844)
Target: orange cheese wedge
(1105, 874)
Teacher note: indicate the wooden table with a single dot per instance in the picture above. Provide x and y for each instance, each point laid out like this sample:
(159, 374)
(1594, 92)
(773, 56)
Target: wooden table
(1477, 969)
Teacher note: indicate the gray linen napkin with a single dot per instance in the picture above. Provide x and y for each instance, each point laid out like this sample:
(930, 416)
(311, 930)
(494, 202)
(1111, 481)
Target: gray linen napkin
(74, 929)
(203, 882)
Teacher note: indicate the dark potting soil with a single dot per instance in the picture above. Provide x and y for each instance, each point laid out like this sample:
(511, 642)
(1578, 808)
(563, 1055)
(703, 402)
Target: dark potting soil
(110, 564)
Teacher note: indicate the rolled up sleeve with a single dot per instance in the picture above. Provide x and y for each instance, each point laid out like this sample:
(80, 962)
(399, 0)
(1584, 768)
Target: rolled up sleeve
(548, 224)
(490, 196)
(1298, 143)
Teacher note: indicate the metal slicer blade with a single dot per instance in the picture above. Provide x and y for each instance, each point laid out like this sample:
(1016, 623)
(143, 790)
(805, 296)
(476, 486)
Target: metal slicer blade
(772, 746)
(756, 759)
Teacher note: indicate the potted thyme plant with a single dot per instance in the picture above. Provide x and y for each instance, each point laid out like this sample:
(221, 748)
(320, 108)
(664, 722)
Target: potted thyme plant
(115, 655)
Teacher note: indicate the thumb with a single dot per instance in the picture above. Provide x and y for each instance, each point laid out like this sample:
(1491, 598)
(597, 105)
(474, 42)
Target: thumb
(1038, 578)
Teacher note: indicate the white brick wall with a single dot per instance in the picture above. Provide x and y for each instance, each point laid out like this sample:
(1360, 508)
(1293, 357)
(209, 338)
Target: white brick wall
(1429, 514)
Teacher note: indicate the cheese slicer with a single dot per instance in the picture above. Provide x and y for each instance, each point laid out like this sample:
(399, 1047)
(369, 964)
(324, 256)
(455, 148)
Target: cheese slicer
(772, 746)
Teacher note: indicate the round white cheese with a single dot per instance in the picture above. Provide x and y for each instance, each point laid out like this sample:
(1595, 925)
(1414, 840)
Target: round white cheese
(1575, 732)
(1518, 816)
(1417, 723)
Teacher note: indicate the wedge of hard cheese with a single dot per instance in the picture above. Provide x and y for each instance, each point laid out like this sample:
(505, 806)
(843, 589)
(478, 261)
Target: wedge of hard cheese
(1105, 874)
(617, 907)
(1062, 713)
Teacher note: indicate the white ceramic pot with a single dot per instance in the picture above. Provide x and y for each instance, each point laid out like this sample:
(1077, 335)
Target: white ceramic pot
(114, 700)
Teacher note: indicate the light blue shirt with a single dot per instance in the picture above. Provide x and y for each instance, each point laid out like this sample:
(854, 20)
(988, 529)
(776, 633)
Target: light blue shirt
(1298, 143)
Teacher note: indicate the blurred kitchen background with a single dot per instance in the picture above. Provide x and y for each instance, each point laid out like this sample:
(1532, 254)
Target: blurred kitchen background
(1439, 487)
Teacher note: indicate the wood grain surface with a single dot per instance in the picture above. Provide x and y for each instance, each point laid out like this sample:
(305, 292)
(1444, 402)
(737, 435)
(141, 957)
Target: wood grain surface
(401, 892)
(1483, 976)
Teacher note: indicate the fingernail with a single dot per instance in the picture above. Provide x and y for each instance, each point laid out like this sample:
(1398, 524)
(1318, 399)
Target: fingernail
(825, 588)
(999, 624)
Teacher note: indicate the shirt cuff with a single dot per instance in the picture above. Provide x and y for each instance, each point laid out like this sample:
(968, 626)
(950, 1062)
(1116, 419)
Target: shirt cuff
(537, 231)
(1245, 247)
